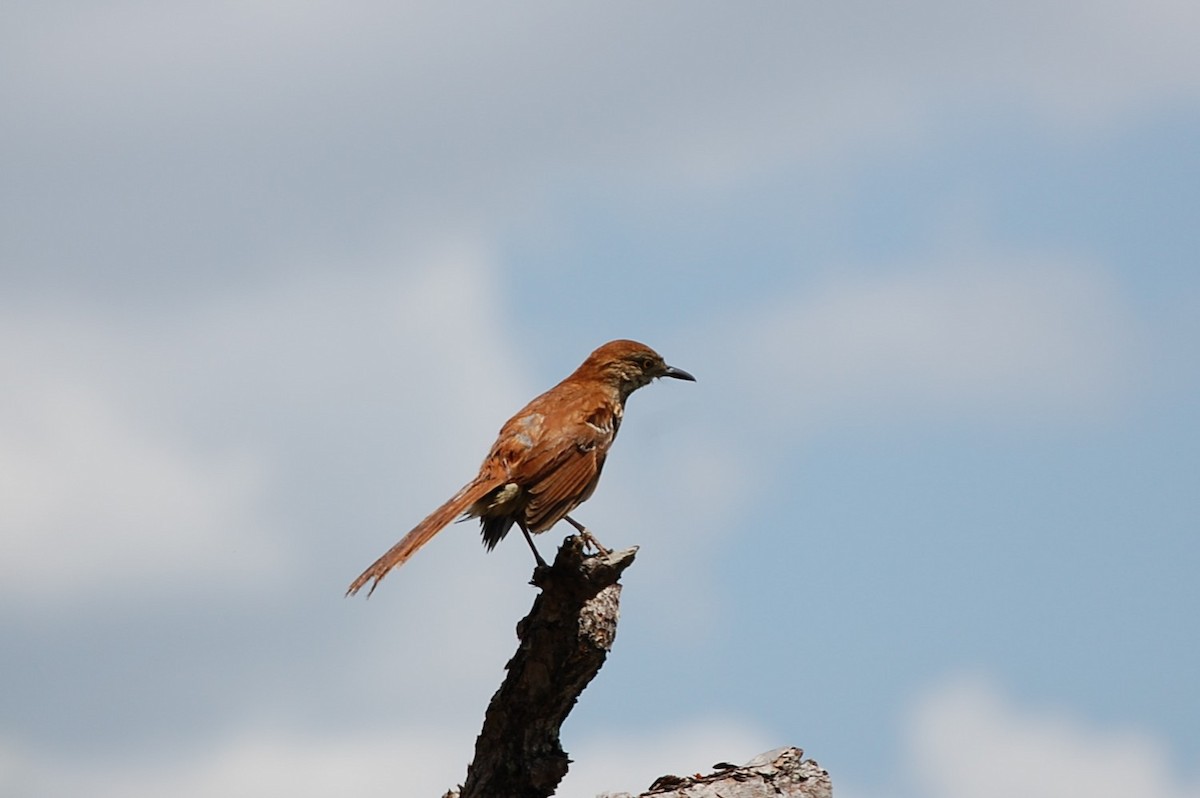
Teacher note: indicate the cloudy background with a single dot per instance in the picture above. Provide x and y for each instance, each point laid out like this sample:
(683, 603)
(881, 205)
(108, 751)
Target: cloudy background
(273, 274)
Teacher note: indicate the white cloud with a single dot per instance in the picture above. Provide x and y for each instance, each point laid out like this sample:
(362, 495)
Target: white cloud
(964, 740)
(969, 741)
(407, 761)
(136, 452)
(91, 496)
(413, 762)
(992, 339)
(1082, 62)
(497, 92)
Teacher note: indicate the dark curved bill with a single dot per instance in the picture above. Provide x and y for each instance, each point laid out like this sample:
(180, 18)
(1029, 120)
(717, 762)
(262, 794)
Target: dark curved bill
(678, 374)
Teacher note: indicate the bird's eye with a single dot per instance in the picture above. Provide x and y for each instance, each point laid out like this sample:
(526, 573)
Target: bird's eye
(647, 363)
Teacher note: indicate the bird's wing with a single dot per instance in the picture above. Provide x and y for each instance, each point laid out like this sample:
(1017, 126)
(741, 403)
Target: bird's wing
(562, 470)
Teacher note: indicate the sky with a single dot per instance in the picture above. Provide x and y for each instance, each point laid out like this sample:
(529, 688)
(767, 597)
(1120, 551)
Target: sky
(272, 275)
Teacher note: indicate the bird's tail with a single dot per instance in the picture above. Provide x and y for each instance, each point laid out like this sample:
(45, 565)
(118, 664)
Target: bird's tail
(423, 532)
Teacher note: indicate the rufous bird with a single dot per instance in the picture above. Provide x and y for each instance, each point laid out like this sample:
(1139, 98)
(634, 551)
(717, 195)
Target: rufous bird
(546, 460)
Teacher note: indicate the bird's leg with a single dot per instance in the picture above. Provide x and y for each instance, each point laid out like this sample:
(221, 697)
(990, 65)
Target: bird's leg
(529, 539)
(588, 538)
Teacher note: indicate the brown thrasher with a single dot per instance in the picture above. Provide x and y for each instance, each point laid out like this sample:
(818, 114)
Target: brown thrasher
(546, 460)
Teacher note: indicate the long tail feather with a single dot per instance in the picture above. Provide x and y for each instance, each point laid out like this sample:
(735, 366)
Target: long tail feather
(422, 533)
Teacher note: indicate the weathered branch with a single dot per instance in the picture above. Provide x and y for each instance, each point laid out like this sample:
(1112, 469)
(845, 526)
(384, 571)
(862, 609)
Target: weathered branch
(782, 773)
(564, 642)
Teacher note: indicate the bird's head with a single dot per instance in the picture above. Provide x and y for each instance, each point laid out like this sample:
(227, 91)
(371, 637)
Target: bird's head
(628, 365)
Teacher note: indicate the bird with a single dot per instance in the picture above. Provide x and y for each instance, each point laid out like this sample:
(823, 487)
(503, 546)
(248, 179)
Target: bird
(546, 460)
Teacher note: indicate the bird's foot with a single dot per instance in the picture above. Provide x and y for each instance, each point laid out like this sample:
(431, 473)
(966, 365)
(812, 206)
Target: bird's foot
(587, 537)
(590, 540)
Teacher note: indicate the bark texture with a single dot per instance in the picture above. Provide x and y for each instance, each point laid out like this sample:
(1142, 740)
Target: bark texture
(782, 773)
(564, 642)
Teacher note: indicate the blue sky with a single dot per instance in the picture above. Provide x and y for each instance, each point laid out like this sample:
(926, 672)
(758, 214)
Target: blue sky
(274, 275)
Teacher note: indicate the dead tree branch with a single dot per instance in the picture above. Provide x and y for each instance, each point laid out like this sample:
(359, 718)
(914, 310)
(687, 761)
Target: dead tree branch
(564, 642)
(782, 773)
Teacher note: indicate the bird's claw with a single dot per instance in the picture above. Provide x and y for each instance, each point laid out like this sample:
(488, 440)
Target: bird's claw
(590, 540)
(587, 537)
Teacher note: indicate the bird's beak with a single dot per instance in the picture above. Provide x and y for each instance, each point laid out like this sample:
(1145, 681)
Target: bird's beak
(678, 374)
